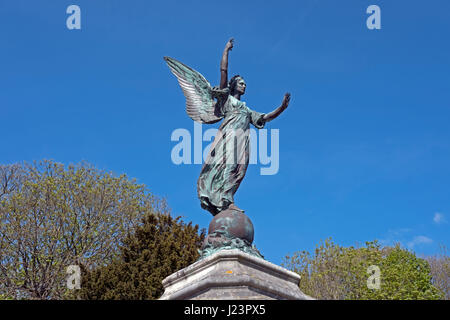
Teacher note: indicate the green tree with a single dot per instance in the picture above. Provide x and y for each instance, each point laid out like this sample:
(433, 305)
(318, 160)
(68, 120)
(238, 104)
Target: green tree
(157, 248)
(52, 216)
(338, 273)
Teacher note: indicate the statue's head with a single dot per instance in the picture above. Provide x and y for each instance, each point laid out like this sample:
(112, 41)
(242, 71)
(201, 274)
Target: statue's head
(237, 85)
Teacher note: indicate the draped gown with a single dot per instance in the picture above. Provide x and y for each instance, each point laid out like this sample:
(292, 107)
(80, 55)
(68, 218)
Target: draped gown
(228, 157)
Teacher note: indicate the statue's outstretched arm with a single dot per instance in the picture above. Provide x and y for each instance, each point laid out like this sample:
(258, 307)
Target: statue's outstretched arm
(275, 113)
(224, 64)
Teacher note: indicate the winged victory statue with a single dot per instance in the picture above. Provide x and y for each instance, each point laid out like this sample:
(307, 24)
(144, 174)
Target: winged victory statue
(222, 171)
(228, 157)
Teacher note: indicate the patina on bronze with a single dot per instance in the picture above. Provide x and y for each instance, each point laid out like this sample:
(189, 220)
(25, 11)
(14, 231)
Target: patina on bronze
(228, 158)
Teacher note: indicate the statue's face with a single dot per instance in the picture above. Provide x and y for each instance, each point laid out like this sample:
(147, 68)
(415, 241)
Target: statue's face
(240, 86)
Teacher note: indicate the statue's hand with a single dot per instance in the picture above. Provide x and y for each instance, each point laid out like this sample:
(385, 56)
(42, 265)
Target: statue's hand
(286, 100)
(229, 44)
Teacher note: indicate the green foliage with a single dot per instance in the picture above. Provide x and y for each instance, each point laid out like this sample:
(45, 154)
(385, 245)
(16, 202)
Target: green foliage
(336, 272)
(161, 246)
(52, 216)
(5, 297)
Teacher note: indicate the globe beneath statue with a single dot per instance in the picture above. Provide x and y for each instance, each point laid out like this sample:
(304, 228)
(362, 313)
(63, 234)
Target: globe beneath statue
(229, 229)
(232, 224)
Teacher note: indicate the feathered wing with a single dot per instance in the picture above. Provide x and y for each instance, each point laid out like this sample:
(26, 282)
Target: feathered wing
(200, 105)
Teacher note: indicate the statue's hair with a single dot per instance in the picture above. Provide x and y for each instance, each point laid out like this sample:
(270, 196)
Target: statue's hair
(232, 83)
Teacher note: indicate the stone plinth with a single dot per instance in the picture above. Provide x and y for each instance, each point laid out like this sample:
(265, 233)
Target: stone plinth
(233, 275)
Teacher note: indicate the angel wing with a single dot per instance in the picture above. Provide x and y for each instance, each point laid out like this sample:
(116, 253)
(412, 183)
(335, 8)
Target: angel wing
(200, 104)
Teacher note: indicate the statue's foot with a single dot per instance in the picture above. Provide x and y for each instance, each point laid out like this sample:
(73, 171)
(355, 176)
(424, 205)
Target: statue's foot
(234, 207)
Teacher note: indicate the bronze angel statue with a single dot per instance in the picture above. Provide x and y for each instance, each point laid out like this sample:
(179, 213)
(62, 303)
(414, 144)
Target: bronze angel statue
(224, 169)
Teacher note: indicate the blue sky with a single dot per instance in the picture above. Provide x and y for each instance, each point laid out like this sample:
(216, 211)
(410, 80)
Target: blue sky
(364, 144)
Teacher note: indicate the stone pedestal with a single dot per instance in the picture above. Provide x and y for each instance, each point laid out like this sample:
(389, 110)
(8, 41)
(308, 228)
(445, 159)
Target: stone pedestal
(233, 275)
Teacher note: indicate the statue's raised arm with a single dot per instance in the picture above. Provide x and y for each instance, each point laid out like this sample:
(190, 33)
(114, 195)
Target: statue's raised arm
(224, 64)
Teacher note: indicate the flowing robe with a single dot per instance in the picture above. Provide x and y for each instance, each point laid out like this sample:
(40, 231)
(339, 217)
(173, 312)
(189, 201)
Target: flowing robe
(228, 157)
